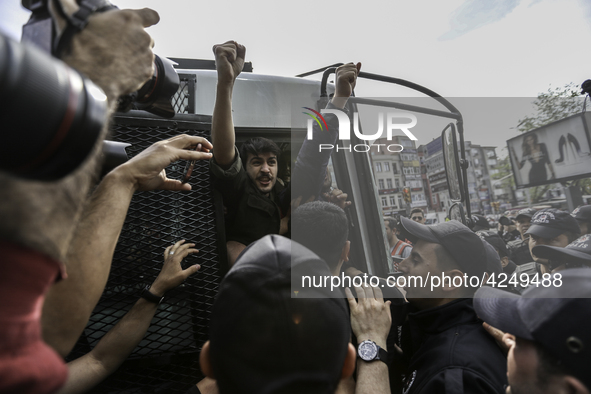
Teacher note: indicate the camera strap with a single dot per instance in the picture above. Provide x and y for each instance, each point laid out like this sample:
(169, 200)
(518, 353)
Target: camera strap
(77, 22)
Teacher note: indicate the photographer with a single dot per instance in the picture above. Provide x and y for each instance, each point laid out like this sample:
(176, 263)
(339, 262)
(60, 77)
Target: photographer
(44, 232)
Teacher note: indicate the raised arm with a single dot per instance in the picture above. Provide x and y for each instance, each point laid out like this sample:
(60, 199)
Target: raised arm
(92, 368)
(310, 168)
(371, 320)
(229, 61)
(70, 302)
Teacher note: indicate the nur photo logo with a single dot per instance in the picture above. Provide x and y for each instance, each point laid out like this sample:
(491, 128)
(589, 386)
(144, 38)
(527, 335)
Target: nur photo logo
(402, 121)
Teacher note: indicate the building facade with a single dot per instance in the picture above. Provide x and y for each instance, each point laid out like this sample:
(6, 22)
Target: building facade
(395, 171)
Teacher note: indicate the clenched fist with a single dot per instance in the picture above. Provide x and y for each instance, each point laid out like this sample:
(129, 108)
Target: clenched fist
(229, 61)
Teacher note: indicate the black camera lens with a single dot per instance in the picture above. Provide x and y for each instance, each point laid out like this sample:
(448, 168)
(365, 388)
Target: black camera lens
(51, 116)
(155, 96)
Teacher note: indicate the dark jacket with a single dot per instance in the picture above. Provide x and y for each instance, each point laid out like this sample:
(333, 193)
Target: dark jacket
(519, 251)
(252, 215)
(510, 268)
(446, 350)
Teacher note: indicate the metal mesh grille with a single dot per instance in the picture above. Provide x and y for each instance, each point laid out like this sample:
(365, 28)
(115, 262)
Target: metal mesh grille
(166, 361)
(183, 99)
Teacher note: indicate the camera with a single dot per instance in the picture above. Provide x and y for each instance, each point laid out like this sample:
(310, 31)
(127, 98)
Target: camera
(154, 96)
(68, 110)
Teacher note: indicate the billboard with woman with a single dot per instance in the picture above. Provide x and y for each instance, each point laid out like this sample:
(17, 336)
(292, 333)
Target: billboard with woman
(556, 152)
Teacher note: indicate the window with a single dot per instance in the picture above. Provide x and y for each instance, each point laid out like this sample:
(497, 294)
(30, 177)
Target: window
(381, 183)
(392, 201)
(389, 182)
(394, 167)
(386, 166)
(378, 167)
(397, 182)
(384, 202)
(399, 201)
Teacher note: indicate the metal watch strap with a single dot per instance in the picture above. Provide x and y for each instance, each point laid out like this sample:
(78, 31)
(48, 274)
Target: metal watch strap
(146, 295)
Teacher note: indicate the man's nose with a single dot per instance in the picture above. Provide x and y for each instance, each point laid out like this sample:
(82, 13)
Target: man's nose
(265, 168)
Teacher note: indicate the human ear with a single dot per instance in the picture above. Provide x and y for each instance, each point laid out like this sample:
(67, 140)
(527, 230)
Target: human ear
(345, 251)
(349, 364)
(205, 361)
(574, 385)
(448, 283)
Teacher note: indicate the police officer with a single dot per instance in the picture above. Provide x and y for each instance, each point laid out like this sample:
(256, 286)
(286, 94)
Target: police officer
(519, 249)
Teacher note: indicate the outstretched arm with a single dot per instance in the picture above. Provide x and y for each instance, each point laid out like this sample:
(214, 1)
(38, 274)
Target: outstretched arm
(70, 302)
(547, 160)
(229, 61)
(92, 368)
(520, 163)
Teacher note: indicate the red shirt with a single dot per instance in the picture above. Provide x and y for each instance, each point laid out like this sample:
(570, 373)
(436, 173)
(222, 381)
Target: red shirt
(27, 364)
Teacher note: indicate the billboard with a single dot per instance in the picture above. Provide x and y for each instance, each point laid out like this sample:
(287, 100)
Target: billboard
(553, 153)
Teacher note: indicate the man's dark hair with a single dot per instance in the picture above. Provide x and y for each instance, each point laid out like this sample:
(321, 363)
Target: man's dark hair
(548, 366)
(323, 228)
(390, 222)
(571, 236)
(256, 146)
(417, 210)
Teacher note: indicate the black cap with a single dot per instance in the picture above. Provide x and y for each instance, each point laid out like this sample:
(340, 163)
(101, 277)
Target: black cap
(461, 243)
(578, 251)
(493, 261)
(582, 213)
(555, 317)
(550, 223)
(528, 212)
(479, 223)
(263, 337)
(495, 240)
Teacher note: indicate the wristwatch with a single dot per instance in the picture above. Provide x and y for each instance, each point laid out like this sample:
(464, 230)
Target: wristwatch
(370, 351)
(146, 295)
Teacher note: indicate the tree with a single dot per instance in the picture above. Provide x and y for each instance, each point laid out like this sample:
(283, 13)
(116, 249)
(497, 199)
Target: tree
(553, 105)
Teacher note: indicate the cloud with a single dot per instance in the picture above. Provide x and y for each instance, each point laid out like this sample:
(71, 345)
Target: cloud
(586, 5)
(476, 13)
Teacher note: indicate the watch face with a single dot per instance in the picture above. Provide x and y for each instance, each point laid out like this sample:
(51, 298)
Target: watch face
(367, 350)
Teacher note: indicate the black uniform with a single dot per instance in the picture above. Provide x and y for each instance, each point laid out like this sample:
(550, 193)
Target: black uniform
(446, 350)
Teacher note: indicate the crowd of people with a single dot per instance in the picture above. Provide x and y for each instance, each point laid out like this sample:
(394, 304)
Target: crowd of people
(268, 332)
